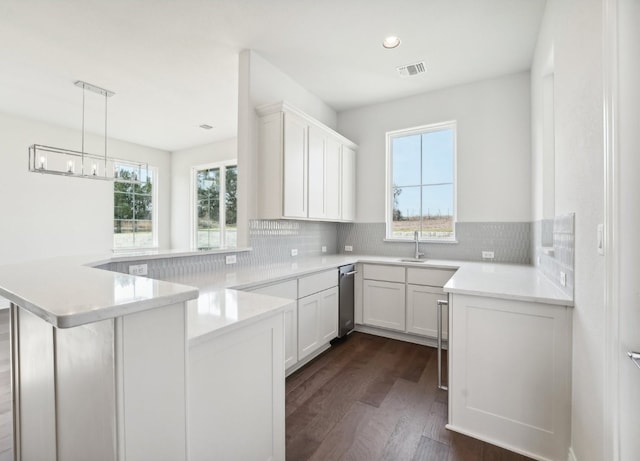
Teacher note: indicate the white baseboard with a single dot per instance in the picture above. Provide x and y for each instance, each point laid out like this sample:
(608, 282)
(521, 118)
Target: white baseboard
(306, 360)
(572, 455)
(422, 340)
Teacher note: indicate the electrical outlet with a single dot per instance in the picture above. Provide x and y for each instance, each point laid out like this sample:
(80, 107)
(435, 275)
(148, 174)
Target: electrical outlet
(231, 259)
(563, 279)
(348, 248)
(138, 269)
(294, 252)
(487, 255)
(324, 248)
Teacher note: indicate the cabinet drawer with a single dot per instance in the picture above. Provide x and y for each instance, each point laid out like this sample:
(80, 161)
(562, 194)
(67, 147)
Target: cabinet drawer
(384, 273)
(317, 282)
(431, 277)
(287, 290)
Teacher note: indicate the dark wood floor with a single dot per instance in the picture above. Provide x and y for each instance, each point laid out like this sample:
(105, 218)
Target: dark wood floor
(370, 398)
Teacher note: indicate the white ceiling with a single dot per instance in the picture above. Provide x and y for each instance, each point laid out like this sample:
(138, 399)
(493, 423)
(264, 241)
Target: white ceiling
(173, 64)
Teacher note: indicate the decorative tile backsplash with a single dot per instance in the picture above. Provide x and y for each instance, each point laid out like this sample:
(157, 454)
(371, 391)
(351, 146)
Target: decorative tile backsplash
(510, 242)
(558, 257)
(273, 240)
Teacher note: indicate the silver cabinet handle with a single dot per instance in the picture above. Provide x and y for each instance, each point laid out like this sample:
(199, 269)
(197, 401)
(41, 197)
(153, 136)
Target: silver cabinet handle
(441, 304)
(348, 273)
(635, 357)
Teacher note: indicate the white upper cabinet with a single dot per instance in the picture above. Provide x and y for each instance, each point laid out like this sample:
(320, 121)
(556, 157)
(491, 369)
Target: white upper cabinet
(296, 160)
(306, 170)
(348, 184)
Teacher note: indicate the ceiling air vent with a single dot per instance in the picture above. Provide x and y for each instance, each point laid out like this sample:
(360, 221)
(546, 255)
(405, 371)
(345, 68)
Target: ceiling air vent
(412, 69)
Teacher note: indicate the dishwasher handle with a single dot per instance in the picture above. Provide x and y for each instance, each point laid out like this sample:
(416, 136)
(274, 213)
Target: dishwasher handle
(344, 274)
(440, 305)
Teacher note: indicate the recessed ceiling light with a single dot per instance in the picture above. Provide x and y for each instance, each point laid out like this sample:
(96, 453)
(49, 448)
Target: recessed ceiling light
(391, 42)
(204, 126)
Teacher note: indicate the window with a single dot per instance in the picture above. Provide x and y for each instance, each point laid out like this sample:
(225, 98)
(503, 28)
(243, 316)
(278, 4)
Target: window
(215, 220)
(421, 183)
(133, 211)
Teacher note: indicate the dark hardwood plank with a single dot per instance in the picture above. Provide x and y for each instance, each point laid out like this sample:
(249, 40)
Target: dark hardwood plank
(430, 450)
(370, 398)
(465, 448)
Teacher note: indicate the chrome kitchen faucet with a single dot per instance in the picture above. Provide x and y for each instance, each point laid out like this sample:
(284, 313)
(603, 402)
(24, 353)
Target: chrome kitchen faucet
(415, 238)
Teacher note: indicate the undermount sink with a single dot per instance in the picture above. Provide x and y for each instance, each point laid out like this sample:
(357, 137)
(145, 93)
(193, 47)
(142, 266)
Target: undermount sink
(412, 260)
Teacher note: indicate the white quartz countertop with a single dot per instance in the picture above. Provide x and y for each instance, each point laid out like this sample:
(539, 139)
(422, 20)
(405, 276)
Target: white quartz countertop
(221, 310)
(66, 293)
(507, 281)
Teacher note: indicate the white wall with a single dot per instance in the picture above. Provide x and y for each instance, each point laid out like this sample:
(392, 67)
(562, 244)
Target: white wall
(579, 188)
(45, 215)
(493, 142)
(181, 164)
(260, 82)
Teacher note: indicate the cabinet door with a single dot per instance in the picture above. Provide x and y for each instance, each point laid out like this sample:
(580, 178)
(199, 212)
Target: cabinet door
(332, 179)
(329, 315)
(422, 313)
(309, 309)
(288, 290)
(317, 170)
(324, 175)
(295, 167)
(290, 336)
(348, 184)
(383, 304)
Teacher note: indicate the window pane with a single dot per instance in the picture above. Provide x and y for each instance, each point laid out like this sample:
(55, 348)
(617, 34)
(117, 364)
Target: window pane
(406, 212)
(437, 211)
(437, 157)
(406, 160)
(231, 206)
(133, 207)
(208, 183)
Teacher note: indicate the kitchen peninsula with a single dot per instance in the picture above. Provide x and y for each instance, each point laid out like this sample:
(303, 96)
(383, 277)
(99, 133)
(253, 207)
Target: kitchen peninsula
(175, 369)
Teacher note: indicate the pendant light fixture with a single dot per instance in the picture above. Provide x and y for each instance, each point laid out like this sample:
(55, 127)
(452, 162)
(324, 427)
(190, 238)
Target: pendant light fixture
(82, 164)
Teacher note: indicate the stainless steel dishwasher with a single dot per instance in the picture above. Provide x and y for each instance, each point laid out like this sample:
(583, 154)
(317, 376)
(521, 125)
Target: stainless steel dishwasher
(346, 292)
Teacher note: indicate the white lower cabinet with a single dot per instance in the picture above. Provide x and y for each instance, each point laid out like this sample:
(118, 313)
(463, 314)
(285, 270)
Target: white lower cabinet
(313, 321)
(236, 394)
(383, 304)
(404, 299)
(510, 374)
(317, 321)
(287, 290)
(422, 310)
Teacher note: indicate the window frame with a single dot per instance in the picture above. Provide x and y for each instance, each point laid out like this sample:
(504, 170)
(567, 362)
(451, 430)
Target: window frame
(223, 165)
(390, 135)
(153, 171)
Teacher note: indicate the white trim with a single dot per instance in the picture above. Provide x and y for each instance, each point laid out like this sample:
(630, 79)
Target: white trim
(611, 231)
(497, 443)
(451, 124)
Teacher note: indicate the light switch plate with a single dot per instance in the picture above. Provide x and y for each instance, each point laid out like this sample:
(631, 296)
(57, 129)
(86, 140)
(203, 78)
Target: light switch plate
(563, 279)
(324, 248)
(231, 259)
(294, 252)
(487, 255)
(348, 248)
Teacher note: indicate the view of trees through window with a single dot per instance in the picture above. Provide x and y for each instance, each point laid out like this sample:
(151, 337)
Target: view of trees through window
(216, 189)
(422, 188)
(133, 208)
